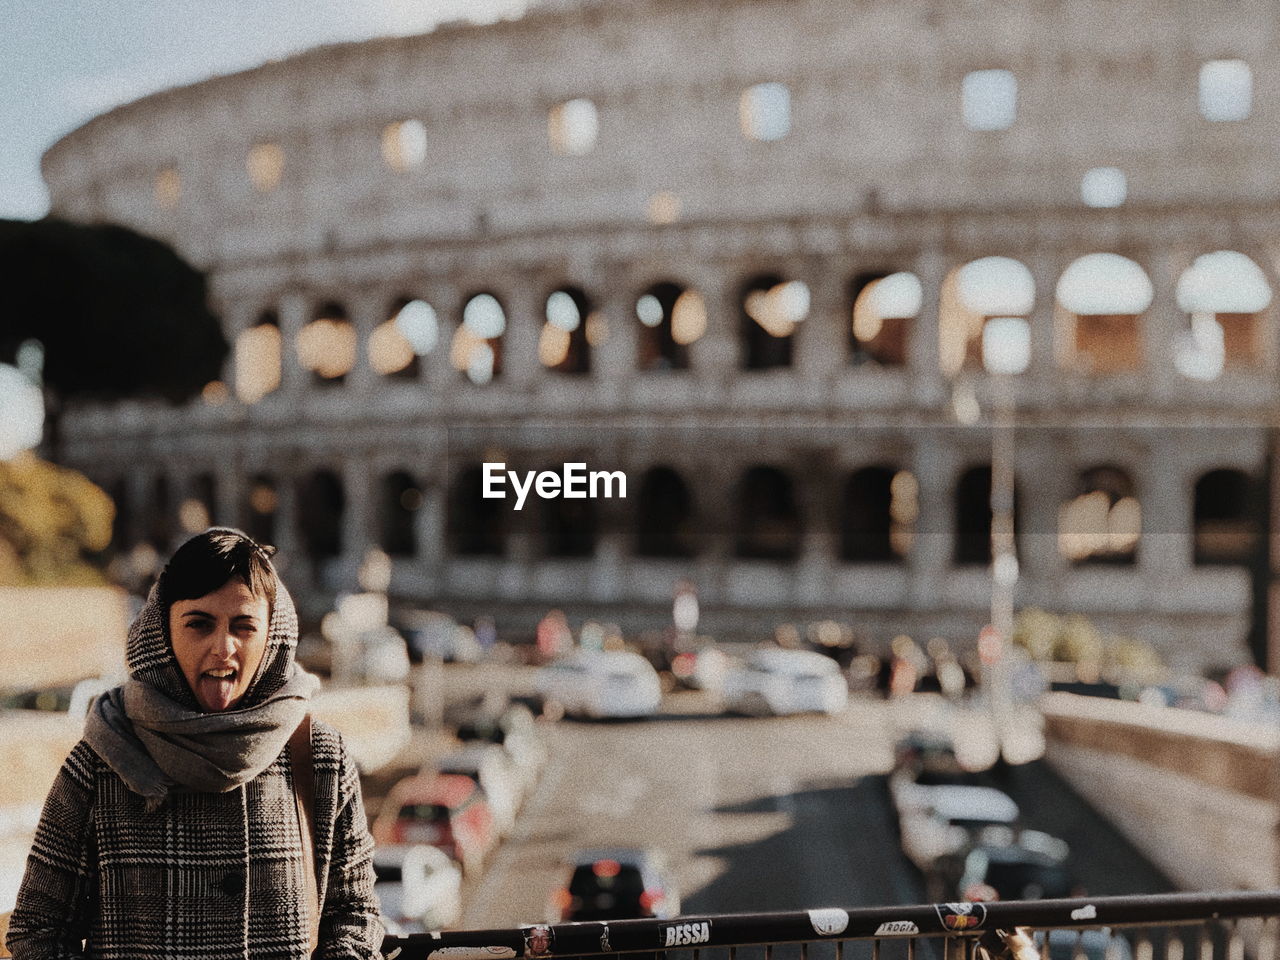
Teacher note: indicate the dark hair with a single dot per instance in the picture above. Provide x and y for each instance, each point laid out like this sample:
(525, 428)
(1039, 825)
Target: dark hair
(209, 560)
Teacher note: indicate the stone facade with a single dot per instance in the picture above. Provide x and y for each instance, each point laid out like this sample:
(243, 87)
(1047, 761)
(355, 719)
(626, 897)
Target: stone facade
(877, 172)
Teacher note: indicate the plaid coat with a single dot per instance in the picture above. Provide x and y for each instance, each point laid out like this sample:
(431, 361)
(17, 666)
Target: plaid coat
(207, 876)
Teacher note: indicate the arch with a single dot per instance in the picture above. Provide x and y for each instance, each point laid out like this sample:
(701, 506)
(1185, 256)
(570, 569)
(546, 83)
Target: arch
(664, 343)
(1102, 523)
(770, 310)
(160, 514)
(260, 506)
(321, 503)
(476, 350)
(767, 516)
(475, 526)
(567, 527)
(327, 345)
(664, 514)
(972, 504)
(883, 306)
(399, 500)
(258, 351)
(878, 513)
(392, 353)
(198, 511)
(564, 345)
(1227, 518)
(1100, 297)
(1225, 294)
(972, 294)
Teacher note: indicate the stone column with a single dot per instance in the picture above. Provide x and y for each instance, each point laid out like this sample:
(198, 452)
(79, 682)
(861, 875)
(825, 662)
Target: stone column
(714, 356)
(436, 372)
(821, 344)
(429, 528)
(614, 360)
(1044, 337)
(1045, 479)
(922, 351)
(359, 516)
(934, 463)
(1166, 493)
(1162, 325)
(520, 366)
(817, 496)
(294, 314)
(366, 309)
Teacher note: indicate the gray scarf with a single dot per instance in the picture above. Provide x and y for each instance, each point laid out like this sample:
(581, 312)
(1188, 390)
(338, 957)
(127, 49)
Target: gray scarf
(155, 744)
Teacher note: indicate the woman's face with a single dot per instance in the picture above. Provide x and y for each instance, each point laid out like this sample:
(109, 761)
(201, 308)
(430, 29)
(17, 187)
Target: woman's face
(219, 640)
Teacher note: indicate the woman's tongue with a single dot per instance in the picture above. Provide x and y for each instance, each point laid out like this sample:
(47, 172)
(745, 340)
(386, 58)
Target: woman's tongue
(217, 692)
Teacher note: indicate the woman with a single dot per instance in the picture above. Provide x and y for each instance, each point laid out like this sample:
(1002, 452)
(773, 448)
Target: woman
(177, 826)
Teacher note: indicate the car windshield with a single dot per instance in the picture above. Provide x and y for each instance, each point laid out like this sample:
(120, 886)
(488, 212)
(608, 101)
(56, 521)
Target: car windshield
(589, 879)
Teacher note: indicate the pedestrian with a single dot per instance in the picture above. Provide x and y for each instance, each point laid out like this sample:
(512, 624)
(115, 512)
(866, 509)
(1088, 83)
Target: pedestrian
(196, 818)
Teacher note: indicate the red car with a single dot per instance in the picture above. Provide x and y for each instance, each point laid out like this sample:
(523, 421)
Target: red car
(443, 810)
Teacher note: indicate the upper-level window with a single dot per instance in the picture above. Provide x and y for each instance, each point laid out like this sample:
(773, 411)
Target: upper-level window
(404, 144)
(764, 111)
(989, 99)
(265, 165)
(257, 358)
(1103, 187)
(573, 126)
(168, 188)
(884, 304)
(327, 345)
(1102, 296)
(1226, 90)
(477, 343)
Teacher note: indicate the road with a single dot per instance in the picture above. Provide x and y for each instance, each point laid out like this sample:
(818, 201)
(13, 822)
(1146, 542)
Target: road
(754, 814)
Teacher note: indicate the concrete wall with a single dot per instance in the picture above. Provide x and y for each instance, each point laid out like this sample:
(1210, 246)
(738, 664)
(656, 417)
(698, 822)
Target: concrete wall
(1197, 794)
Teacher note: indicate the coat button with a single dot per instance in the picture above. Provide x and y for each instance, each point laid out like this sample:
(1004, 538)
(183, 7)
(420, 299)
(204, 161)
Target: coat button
(232, 884)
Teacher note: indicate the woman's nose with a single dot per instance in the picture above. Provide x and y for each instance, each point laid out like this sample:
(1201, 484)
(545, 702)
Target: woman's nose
(225, 642)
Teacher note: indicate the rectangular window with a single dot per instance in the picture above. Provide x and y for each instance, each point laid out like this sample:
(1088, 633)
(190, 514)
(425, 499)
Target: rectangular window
(990, 99)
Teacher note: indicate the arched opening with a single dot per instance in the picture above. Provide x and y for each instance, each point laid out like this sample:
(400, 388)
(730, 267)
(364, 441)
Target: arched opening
(199, 510)
(1227, 519)
(772, 307)
(262, 500)
(883, 306)
(671, 318)
(568, 527)
(122, 532)
(160, 515)
(1100, 298)
(257, 358)
(664, 515)
(768, 518)
(563, 345)
(395, 345)
(476, 350)
(1102, 523)
(973, 294)
(398, 504)
(321, 502)
(476, 526)
(880, 506)
(1225, 295)
(973, 517)
(327, 345)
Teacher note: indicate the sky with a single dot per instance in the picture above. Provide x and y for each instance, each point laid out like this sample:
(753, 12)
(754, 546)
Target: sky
(64, 62)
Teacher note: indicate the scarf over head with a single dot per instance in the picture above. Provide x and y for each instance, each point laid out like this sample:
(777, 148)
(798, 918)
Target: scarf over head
(153, 734)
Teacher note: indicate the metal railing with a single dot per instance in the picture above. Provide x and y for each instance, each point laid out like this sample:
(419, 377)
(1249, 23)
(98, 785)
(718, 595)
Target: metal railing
(1192, 926)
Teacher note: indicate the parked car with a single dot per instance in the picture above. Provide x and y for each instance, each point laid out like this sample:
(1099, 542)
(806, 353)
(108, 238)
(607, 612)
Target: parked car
(938, 826)
(1030, 869)
(489, 766)
(73, 700)
(785, 681)
(620, 883)
(447, 811)
(419, 888)
(602, 683)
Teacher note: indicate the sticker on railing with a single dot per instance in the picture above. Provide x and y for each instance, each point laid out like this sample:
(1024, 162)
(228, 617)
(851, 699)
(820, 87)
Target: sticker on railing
(1088, 912)
(896, 928)
(605, 947)
(829, 920)
(471, 953)
(538, 940)
(684, 934)
(961, 916)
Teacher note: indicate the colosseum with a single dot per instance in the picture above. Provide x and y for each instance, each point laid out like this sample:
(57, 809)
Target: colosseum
(790, 265)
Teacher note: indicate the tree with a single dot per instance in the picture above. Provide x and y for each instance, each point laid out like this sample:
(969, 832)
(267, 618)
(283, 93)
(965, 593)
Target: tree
(53, 521)
(119, 314)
